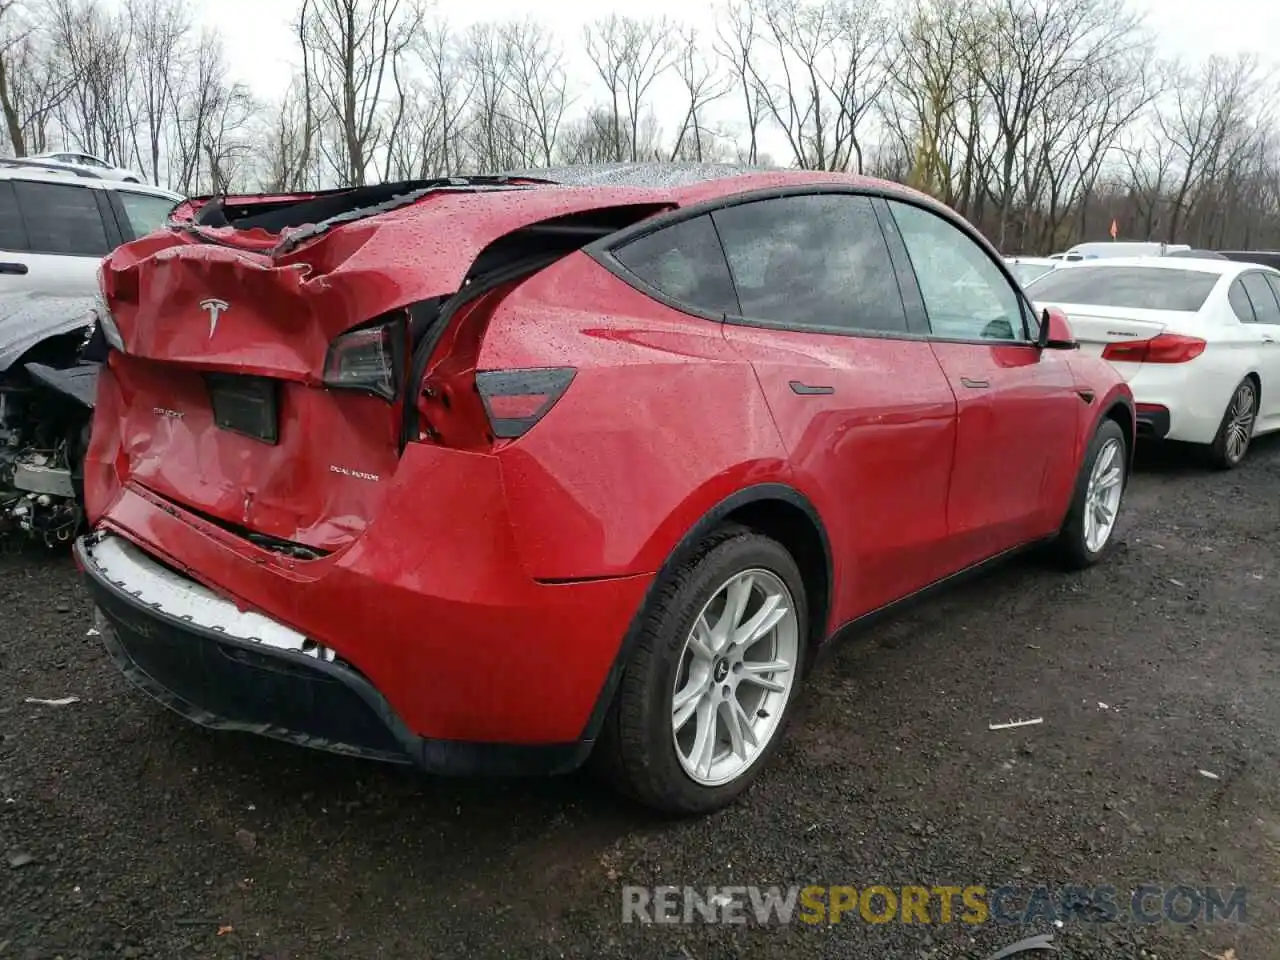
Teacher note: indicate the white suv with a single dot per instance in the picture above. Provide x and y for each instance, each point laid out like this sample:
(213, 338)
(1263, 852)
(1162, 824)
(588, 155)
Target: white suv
(57, 223)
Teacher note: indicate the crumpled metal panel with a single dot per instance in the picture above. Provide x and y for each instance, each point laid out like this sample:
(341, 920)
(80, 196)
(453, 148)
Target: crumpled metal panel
(28, 318)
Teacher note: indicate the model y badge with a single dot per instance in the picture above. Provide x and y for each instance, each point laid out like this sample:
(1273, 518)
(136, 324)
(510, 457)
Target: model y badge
(215, 309)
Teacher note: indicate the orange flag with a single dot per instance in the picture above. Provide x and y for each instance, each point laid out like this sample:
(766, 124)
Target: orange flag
(1114, 230)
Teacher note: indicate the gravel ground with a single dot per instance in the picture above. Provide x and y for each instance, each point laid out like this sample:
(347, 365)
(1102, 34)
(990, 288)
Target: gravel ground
(124, 832)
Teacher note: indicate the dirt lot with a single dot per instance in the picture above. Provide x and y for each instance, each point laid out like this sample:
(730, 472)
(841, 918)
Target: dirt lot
(126, 833)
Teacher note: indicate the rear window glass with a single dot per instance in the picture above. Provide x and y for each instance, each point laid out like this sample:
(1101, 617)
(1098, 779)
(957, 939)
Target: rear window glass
(1138, 288)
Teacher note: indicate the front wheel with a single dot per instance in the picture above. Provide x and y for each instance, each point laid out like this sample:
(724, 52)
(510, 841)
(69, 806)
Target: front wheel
(1236, 429)
(707, 693)
(1095, 505)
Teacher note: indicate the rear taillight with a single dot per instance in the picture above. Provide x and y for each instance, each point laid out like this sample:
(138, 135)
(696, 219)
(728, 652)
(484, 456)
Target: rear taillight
(1166, 348)
(515, 400)
(368, 360)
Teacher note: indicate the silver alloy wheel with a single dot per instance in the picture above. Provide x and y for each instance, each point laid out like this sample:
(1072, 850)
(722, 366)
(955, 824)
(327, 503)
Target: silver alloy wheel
(1102, 496)
(1240, 421)
(734, 677)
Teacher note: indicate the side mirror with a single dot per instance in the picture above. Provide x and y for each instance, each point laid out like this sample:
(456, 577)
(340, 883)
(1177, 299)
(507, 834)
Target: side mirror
(1055, 331)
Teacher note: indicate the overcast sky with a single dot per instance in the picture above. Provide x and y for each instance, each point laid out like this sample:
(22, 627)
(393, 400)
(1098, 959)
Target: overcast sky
(260, 44)
(256, 31)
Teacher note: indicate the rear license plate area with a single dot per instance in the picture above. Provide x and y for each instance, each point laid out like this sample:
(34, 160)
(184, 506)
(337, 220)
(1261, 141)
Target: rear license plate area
(245, 405)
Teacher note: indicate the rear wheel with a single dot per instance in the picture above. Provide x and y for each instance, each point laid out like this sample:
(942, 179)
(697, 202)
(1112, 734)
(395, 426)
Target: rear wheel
(1236, 430)
(707, 693)
(1095, 506)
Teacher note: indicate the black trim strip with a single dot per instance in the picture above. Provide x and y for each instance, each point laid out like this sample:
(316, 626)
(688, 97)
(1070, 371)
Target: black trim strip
(872, 617)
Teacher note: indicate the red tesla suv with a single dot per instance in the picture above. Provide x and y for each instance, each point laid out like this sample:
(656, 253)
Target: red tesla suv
(493, 474)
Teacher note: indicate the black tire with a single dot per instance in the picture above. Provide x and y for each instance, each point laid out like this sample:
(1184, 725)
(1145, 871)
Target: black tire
(1222, 454)
(635, 751)
(1071, 546)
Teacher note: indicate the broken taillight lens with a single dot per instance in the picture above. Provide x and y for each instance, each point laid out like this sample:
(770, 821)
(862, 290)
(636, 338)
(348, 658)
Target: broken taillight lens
(515, 400)
(368, 360)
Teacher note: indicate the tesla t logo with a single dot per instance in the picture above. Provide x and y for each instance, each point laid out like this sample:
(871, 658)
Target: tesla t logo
(215, 309)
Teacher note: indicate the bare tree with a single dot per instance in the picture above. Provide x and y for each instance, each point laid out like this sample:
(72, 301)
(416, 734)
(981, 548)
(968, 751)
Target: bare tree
(439, 135)
(537, 85)
(703, 85)
(831, 64)
(160, 29)
(735, 43)
(629, 55)
(1206, 109)
(351, 45)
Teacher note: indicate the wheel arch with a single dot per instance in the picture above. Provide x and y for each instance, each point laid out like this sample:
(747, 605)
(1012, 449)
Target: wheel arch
(1121, 410)
(775, 510)
(1257, 380)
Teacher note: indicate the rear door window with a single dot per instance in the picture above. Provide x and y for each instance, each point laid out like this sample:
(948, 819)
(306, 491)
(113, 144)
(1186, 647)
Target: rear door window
(1265, 306)
(817, 262)
(62, 219)
(683, 262)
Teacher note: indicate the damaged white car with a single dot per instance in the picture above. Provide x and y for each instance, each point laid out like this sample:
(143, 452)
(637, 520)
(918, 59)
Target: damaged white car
(46, 400)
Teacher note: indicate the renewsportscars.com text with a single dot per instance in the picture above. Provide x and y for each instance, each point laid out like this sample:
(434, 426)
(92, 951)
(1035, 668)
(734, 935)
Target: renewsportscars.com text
(974, 904)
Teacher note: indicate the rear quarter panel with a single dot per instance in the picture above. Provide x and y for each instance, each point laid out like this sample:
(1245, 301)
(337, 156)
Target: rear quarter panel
(1099, 378)
(660, 424)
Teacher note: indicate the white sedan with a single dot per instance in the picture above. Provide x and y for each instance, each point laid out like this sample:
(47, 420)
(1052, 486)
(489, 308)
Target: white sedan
(87, 161)
(1198, 342)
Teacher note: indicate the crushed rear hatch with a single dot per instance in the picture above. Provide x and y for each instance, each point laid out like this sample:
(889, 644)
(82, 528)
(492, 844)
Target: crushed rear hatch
(262, 358)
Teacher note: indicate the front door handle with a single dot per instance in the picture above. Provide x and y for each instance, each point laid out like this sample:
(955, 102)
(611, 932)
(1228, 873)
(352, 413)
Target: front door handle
(974, 384)
(805, 390)
(15, 268)
(1270, 340)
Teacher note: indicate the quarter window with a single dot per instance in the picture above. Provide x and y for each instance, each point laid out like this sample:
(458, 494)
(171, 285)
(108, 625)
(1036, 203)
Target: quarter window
(1240, 303)
(146, 213)
(966, 295)
(684, 262)
(816, 261)
(1265, 307)
(61, 219)
(1274, 281)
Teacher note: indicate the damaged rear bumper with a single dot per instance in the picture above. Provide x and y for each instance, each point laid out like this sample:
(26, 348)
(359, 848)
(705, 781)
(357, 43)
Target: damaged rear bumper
(226, 669)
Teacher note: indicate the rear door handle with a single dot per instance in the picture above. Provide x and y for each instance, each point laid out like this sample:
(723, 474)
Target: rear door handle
(16, 268)
(1270, 340)
(974, 384)
(805, 390)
